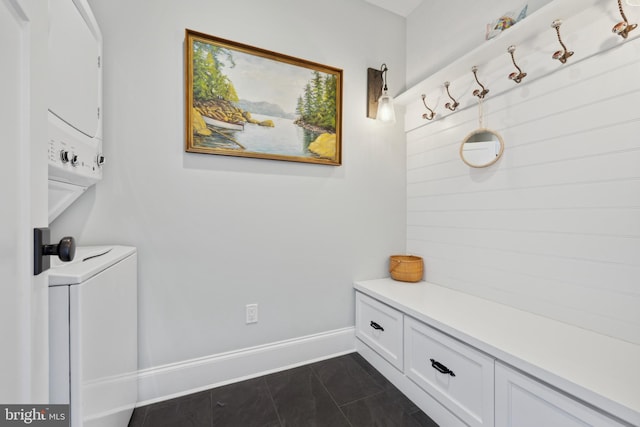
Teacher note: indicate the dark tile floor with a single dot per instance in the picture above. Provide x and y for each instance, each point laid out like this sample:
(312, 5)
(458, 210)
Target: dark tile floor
(343, 391)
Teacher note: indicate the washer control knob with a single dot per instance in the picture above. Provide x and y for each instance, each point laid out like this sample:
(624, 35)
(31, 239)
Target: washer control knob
(64, 156)
(74, 160)
(100, 159)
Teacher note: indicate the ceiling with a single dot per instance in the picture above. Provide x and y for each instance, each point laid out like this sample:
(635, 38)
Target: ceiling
(399, 7)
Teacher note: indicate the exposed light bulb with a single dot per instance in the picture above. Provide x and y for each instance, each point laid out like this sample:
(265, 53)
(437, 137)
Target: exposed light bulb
(386, 112)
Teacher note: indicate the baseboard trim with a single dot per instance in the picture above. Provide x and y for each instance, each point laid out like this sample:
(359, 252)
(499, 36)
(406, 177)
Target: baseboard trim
(190, 376)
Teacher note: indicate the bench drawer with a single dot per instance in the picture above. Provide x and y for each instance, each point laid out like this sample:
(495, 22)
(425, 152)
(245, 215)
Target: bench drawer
(457, 375)
(380, 327)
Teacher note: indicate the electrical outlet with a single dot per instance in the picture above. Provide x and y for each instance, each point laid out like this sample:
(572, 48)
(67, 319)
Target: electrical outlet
(252, 313)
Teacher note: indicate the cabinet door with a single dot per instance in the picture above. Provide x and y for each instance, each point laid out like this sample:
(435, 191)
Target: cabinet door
(524, 402)
(380, 327)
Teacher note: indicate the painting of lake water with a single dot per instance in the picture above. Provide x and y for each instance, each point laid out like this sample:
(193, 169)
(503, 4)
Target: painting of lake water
(249, 102)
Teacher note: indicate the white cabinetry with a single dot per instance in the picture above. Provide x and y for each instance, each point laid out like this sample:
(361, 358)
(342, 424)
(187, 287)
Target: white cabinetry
(380, 327)
(458, 376)
(522, 401)
(492, 365)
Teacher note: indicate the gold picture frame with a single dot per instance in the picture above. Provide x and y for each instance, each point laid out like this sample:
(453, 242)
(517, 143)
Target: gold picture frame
(250, 102)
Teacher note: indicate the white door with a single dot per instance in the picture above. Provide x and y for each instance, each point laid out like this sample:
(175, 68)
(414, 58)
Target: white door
(23, 200)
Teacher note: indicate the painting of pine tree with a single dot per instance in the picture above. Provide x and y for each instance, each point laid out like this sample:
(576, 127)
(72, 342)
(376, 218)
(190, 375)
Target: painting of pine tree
(249, 102)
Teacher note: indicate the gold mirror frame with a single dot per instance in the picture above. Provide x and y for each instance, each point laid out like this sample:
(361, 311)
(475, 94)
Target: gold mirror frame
(495, 136)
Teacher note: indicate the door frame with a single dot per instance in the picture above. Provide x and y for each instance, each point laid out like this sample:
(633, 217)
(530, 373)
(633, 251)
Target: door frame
(27, 371)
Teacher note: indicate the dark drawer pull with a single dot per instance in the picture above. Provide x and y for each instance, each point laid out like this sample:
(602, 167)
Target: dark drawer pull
(377, 327)
(441, 368)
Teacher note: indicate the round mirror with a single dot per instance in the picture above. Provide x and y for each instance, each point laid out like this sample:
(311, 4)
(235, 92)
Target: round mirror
(481, 148)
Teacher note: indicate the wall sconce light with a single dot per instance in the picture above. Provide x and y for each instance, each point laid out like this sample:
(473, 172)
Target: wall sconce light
(379, 102)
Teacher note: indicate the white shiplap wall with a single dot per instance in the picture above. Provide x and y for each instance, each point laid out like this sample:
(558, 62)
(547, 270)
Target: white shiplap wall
(554, 226)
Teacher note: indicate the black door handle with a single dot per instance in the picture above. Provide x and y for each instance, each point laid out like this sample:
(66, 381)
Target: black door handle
(42, 249)
(65, 250)
(377, 327)
(441, 368)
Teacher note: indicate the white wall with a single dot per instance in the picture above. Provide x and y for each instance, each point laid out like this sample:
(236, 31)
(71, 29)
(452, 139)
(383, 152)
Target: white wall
(552, 228)
(215, 233)
(441, 31)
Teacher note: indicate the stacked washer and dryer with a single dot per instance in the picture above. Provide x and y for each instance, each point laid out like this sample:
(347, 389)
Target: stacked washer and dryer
(92, 298)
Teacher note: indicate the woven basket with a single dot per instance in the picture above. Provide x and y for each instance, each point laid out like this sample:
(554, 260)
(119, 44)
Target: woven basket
(406, 268)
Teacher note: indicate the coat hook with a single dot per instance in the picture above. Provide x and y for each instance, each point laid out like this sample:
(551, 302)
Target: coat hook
(477, 92)
(516, 77)
(431, 114)
(622, 28)
(449, 105)
(564, 54)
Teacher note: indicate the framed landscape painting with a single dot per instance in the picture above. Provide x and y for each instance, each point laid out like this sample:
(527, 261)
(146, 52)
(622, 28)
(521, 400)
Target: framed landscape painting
(250, 102)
